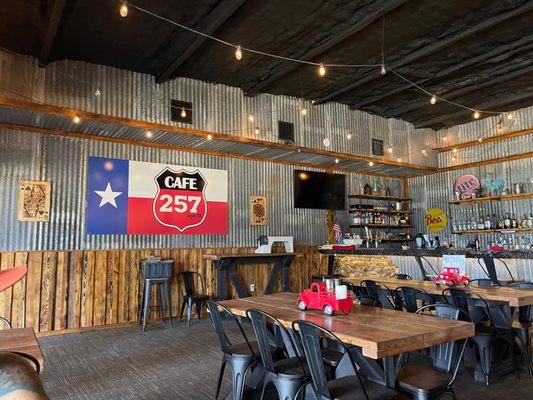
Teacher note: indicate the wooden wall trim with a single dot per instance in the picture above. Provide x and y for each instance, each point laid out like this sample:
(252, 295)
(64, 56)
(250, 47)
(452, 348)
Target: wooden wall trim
(75, 290)
(490, 139)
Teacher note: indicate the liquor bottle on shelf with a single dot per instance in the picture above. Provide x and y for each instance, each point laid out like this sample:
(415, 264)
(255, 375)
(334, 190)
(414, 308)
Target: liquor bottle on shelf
(530, 220)
(513, 222)
(488, 222)
(507, 221)
(481, 223)
(473, 224)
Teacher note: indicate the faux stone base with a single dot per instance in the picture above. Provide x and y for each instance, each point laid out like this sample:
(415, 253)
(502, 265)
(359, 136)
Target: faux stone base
(355, 268)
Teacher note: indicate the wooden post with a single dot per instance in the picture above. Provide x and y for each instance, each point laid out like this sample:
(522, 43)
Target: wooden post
(330, 221)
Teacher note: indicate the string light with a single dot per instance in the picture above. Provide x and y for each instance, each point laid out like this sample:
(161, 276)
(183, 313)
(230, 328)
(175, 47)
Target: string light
(480, 139)
(349, 136)
(389, 150)
(251, 117)
(510, 116)
(371, 163)
(454, 150)
(399, 160)
(445, 139)
(183, 113)
(76, 119)
(97, 92)
(238, 53)
(454, 158)
(383, 70)
(148, 134)
(326, 142)
(476, 114)
(424, 152)
(336, 161)
(256, 131)
(303, 111)
(209, 137)
(321, 70)
(433, 99)
(124, 9)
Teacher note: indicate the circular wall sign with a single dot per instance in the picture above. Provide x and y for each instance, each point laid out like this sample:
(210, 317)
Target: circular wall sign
(435, 220)
(466, 185)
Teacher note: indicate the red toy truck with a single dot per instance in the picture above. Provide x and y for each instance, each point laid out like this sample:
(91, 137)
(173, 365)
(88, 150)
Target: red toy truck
(319, 298)
(450, 276)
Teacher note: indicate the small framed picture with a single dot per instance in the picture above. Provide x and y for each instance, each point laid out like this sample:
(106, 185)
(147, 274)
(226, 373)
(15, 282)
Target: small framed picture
(34, 201)
(258, 210)
(377, 147)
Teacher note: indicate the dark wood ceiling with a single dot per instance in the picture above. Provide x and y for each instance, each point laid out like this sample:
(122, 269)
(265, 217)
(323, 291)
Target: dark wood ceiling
(477, 52)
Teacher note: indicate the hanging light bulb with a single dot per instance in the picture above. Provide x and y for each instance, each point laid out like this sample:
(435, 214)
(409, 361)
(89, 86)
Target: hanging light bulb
(148, 134)
(303, 111)
(124, 9)
(399, 160)
(326, 142)
(76, 119)
(371, 164)
(336, 161)
(454, 158)
(476, 114)
(433, 99)
(183, 113)
(321, 70)
(209, 136)
(424, 152)
(238, 53)
(454, 150)
(445, 139)
(479, 139)
(251, 117)
(97, 92)
(510, 116)
(349, 136)
(383, 70)
(256, 131)
(299, 150)
(499, 125)
(389, 150)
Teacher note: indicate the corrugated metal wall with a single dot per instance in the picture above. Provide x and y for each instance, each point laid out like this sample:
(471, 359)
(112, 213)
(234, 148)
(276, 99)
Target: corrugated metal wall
(63, 161)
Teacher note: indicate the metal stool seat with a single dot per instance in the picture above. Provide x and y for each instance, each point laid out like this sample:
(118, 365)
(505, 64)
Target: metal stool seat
(156, 273)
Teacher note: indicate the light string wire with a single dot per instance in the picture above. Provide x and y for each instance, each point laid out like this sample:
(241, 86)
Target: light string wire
(313, 63)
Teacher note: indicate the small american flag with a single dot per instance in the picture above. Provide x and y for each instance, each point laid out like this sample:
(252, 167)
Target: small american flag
(338, 231)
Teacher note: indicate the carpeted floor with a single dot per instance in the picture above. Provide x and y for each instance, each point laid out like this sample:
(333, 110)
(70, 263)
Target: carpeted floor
(179, 363)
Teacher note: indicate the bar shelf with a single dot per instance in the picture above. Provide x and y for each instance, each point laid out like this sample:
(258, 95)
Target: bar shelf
(505, 197)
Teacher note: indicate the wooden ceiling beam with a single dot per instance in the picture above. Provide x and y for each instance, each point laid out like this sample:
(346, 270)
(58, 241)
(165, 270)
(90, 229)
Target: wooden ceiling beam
(416, 105)
(51, 31)
(221, 14)
(428, 50)
(524, 43)
(493, 104)
(484, 140)
(287, 67)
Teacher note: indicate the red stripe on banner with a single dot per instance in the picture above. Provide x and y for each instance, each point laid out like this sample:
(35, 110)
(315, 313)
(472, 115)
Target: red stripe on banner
(141, 219)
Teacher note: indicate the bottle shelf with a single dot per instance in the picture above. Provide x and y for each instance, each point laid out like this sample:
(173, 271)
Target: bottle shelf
(352, 210)
(493, 231)
(377, 197)
(380, 226)
(505, 197)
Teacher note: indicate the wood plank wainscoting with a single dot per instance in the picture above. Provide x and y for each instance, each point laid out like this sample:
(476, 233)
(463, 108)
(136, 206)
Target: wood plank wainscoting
(69, 290)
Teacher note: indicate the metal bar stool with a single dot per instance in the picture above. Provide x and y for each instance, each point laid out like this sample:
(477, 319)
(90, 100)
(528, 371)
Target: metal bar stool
(156, 273)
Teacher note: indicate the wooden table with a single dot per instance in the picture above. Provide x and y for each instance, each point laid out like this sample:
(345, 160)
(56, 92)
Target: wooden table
(378, 333)
(226, 266)
(513, 296)
(23, 341)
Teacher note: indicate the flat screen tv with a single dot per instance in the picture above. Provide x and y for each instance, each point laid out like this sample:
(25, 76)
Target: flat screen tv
(319, 190)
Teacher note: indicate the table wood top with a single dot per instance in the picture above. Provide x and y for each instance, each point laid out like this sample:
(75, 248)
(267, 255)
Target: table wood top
(379, 332)
(514, 296)
(215, 257)
(22, 340)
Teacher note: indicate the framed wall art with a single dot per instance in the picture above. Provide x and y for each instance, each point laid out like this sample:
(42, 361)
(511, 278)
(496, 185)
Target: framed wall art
(258, 210)
(34, 201)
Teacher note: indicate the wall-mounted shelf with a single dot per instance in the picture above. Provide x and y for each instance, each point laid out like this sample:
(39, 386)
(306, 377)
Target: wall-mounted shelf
(493, 231)
(377, 210)
(377, 197)
(397, 240)
(506, 197)
(380, 226)
(489, 139)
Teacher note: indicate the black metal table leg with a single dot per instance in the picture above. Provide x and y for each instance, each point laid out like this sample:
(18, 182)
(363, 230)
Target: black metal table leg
(222, 279)
(286, 273)
(272, 278)
(237, 282)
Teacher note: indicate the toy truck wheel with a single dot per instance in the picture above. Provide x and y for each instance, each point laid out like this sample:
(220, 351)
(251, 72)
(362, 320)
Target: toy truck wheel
(302, 306)
(328, 310)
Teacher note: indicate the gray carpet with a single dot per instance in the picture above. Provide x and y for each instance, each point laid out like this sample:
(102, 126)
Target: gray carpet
(179, 363)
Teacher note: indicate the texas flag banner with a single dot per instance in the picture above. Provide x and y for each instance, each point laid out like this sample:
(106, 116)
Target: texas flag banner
(132, 197)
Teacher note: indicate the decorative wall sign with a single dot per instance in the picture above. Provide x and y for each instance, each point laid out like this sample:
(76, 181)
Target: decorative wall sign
(377, 147)
(258, 210)
(466, 185)
(435, 220)
(34, 201)
(454, 261)
(132, 197)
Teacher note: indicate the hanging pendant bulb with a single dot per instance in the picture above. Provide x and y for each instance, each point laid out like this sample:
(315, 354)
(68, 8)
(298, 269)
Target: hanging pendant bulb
(476, 114)
(371, 164)
(303, 111)
(256, 131)
(424, 152)
(238, 53)
(389, 150)
(383, 70)
(510, 116)
(349, 136)
(433, 99)
(76, 119)
(326, 142)
(251, 117)
(399, 160)
(183, 113)
(209, 137)
(124, 9)
(148, 134)
(321, 70)
(336, 161)
(97, 92)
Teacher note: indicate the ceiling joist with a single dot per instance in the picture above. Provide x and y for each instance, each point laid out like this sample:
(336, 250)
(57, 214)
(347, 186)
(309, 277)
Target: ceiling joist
(51, 31)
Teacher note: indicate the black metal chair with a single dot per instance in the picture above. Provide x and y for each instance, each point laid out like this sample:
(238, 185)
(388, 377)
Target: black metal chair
(490, 269)
(484, 282)
(288, 374)
(190, 295)
(410, 297)
(523, 327)
(349, 387)
(488, 331)
(156, 273)
(432, 382)
(403, 277)
(420, 261)
(242, 357)
(369, 301)
(385, 295)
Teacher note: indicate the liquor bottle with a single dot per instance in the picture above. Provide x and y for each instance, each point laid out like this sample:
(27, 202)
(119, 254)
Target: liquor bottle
(473, 224)
(481, 223)
(513, 222)
(530, 221)
(507, 221)
(488, 223)
(454, 226)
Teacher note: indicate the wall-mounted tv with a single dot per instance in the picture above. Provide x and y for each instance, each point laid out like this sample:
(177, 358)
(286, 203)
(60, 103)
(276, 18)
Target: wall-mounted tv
(319, 190)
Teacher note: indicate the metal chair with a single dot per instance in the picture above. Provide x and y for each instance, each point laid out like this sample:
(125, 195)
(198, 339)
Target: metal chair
(156, 273)
(420, 261)
(288, 374)
(523, 327)
(488, 331)
(484, 282)
(410, 297)
(190, 296)
(242, 357)
(386, 296)
(369, 301)
(403, 277)
(490, 269)
(348, 387)
(432, 382)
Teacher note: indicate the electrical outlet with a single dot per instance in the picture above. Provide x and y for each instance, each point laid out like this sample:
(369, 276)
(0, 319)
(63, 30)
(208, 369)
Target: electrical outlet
(252, 287)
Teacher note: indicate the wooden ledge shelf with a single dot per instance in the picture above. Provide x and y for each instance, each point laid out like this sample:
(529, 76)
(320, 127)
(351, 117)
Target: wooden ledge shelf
(380, 226)
(506, 197)
(377, 197)
(493, 231)
(352, 210)
(495, 138)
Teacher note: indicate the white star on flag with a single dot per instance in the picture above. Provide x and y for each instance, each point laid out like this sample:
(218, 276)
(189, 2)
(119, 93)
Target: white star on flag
(108, 196)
